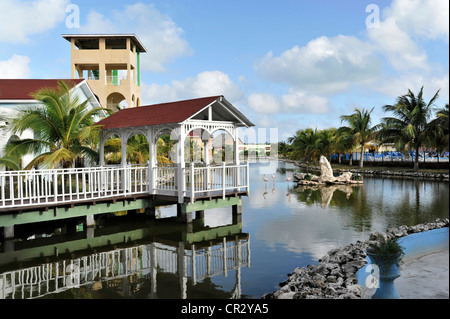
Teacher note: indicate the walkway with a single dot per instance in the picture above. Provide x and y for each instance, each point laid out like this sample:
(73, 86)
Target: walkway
(48, 187)
(426, 277)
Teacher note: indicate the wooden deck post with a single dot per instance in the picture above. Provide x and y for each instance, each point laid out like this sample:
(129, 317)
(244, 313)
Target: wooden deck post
(90, 222)
(8, 232)
(200, 214)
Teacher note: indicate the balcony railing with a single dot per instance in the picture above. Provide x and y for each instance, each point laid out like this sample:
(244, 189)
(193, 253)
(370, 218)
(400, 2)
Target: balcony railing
(29, 188)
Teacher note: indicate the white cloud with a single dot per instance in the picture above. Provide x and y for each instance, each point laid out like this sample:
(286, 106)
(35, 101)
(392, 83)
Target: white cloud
(263, 103)
(22, 19)
(17, 67)
(405, 24)
(207, 83)
(300, 102)
(158, 32)
(424, 18)
(398, 85)
(332, 64)
(398, 46)
(323, 65)
(296, 101)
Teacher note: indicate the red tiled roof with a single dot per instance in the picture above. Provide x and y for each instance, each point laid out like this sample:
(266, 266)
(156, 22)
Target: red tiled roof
(22, 89)
(164, 113)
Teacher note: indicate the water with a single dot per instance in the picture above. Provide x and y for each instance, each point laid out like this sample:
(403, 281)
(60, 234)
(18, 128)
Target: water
(281, 227)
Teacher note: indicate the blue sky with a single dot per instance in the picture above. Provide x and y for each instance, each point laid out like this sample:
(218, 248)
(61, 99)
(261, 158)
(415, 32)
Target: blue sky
(285, 64)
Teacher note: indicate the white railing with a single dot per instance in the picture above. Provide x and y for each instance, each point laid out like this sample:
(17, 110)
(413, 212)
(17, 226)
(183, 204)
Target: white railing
(34, 187)
(165, 177)
(143, 260)
(221, 178)
(53, 186)
(219, 259)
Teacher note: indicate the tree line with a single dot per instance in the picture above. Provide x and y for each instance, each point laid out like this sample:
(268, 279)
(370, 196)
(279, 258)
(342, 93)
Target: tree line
(411, 123)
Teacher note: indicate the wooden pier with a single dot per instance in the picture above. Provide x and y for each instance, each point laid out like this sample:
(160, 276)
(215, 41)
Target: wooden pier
(43, 195)
(24, 190)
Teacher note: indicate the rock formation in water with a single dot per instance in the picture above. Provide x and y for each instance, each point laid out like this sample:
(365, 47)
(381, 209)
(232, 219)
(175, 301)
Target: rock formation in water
(326, 176)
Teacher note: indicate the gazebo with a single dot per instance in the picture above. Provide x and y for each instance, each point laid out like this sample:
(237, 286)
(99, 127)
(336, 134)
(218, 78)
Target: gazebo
(193, 187)
(204, 116)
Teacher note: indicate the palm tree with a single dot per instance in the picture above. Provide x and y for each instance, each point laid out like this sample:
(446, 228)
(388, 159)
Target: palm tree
(304, 144)
(440, 129)
(359, 129)
(409, 127)
(343, 144)
(283, 149)
(63, 126)
(326, 142)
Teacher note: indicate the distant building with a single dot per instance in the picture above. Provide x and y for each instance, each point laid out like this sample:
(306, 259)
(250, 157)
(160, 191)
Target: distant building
(257, 149)
(111, 65)
(15, 93)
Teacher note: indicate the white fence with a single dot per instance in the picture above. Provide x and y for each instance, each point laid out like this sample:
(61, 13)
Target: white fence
(37, 187)
(52, 186)
(221, 178)
(143, 261)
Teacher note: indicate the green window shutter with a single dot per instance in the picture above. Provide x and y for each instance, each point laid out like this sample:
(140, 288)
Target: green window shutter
(115, 77)
(138, 69)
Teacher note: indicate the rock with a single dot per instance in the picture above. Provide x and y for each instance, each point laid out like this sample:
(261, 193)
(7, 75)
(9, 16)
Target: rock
(332, 266)
(332, 279)
(339, 282)
(349, 268)
(325, 168)
(348, 296)
(324, 259)
(288, 295)
(335, 275)
(354, 289)
(345, 177)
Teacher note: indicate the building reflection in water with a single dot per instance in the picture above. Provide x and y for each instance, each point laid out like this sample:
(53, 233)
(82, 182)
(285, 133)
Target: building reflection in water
(160, 258)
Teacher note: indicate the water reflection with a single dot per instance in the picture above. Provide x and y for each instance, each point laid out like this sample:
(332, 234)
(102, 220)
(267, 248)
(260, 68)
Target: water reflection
(134, 257)
(159, 259)
(323, 194)
(299, 231)
(390, 201)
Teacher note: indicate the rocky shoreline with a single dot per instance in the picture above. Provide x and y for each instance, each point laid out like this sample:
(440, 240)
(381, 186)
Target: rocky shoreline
(334, 277)
(383, 173)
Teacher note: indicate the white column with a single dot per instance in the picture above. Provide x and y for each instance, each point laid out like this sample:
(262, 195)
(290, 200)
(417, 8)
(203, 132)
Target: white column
(152, 159)
(236, 146)
(206, 138)
(236, 157)
(182, 270)
(101, 154)
(123, 140)
(181, 184)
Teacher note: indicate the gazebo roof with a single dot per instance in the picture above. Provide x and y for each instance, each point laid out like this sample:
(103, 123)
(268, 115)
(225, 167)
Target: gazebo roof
(175, 112)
